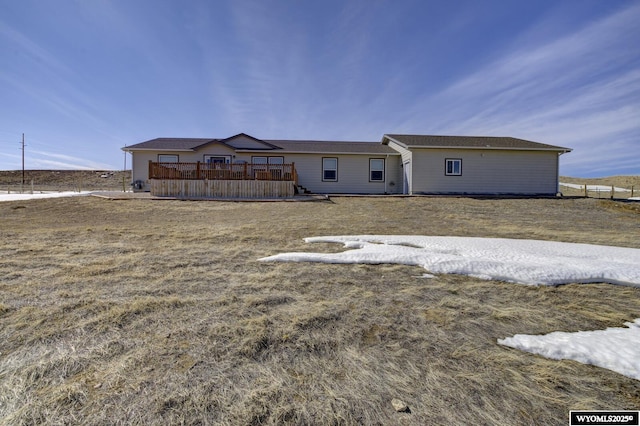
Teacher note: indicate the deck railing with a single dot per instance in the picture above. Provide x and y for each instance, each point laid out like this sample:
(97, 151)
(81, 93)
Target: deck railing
(219, 171)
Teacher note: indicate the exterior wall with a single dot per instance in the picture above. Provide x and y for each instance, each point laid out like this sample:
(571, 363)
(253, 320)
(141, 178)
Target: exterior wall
(353, 170)
(404, 174)
(353, 173)
(486, 172)
(141, 159)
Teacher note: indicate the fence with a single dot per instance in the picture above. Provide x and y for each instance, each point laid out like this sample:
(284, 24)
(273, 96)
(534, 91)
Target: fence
(191, 188)
(599, 191)
(221, 171)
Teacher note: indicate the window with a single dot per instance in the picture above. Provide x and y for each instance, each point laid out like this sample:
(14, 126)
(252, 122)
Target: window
(453, 167)
(330, 169)
(166, 158)
(217, 159)
(267, 160)
(267, 167)
(376, 169)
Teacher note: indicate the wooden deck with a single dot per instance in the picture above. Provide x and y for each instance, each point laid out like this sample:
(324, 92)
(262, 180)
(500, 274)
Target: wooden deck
(252, 189)
(220, 171)
(207, 180)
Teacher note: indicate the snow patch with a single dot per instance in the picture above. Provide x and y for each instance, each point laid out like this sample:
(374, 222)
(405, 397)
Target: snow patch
(522, 261)
(616, 349)
(20, 197)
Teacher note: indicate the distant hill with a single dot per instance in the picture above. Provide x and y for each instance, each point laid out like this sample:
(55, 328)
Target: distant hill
(64, 180)
(626, 182)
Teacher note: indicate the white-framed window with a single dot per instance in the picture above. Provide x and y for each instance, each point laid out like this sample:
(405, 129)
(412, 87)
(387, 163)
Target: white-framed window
(167, 158)
(267, 167)
(376, 169)
(267, 160)
(453, 166)
(217, 159)
(329, 169)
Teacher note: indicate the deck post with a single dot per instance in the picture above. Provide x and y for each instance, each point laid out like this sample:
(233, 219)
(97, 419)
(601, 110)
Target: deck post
(198, 170)
(150, 170)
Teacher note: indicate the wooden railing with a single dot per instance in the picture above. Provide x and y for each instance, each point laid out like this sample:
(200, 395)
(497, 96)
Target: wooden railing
(219, 171)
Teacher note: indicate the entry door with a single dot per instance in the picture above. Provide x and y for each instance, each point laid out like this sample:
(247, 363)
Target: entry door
(407, 177)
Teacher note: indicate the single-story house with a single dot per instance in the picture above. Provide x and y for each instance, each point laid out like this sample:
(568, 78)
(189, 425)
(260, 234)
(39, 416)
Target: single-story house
(399, 164)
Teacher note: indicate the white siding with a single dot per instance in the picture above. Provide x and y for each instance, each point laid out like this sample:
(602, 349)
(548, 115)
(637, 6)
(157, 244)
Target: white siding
(353, 174)
(486, 172)
(141, 159)
(406, 162)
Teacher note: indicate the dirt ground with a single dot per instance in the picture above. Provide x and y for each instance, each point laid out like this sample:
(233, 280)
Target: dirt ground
(158, 312)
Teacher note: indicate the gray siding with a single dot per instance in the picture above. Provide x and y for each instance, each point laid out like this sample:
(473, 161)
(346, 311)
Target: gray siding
(141, 159)
(353, 170)
(353, 174)
(406, 162)
(486, 172)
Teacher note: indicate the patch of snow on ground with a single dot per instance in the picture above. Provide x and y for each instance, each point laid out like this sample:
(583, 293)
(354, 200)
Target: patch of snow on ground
(19, 197)
(616, 349)
(522, 261)
(594, 187)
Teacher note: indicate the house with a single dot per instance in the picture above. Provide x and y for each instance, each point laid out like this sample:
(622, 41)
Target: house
(399, 164)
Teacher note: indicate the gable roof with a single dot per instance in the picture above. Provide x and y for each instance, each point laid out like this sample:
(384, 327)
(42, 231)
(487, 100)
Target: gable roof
(470, 142)
(281, 146)
(344, 147)
(333, 147)
(230, 142)
(169, 144)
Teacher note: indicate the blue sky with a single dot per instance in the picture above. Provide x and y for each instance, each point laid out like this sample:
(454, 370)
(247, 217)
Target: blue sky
(84, 78)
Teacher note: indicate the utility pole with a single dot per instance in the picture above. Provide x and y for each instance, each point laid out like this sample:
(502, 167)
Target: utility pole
(124, 172)
(23, 161)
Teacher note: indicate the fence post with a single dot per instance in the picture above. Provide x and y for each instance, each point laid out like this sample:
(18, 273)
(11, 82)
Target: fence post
(585, 191)
(198, 170)
(612, 191)
(32, 186)
(631, 191)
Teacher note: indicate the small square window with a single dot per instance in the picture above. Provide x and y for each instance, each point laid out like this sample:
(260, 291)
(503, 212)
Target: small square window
(376, 169)
(330, 169)
(453, 167)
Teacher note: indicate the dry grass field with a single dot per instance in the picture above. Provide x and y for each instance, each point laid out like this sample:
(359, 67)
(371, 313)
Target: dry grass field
(158, 312)
(64, 180)
(626, 182)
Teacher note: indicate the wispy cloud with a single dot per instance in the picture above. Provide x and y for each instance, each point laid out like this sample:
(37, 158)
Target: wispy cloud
(574, 91)
(46, 160)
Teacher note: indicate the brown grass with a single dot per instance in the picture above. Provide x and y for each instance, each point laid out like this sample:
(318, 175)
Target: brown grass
(64, 180)
(158, 312)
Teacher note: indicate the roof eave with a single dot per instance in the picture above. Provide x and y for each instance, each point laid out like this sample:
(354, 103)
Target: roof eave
(129, 149)
(285, 151)
(495, 148)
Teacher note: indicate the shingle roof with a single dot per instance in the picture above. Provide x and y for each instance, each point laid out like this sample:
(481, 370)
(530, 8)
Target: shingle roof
(333, 147)
(431, 141)
(328, 147)
(170, 144)
(343, 147)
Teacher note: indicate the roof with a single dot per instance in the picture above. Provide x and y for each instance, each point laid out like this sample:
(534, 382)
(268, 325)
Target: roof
(333, 147)
(345, 147)
(284, 146)
(486, 142)
(169, 144)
